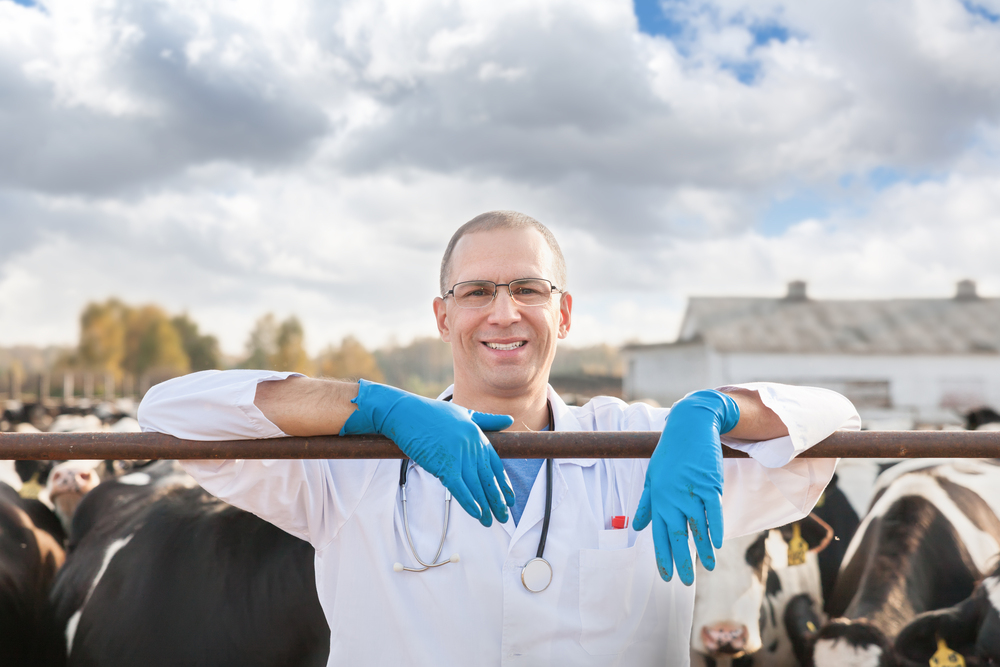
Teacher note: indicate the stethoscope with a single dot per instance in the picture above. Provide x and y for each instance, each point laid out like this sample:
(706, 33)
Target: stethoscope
(536, 575)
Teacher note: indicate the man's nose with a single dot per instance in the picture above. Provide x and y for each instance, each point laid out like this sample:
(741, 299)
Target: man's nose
(503, 309)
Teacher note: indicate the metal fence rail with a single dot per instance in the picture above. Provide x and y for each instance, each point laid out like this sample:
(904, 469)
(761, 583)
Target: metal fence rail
(844, 444)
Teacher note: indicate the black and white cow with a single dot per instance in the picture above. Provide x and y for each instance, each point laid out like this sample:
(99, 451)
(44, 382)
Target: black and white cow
(159, 573)
(759, 609)
(30, 554)
(931, 534)
(741, 606)
(970, 628)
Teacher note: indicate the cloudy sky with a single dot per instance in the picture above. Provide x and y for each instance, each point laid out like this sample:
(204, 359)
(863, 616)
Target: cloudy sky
(233, 158)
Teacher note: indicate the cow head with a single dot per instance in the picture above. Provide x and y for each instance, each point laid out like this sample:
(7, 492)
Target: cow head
(68, 483)
(729, 601)
(972, 628)
(846, 643)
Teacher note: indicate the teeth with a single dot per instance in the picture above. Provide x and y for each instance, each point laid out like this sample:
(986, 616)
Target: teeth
(507, 346)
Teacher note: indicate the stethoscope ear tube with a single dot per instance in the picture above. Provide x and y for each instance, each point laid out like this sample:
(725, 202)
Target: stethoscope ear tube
(399, 567)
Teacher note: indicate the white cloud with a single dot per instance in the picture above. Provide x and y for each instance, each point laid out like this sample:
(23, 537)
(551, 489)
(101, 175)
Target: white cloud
(232, 159)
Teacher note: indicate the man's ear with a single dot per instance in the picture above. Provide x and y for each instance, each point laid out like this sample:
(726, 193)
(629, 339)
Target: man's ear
(565, 313)
(441, 317)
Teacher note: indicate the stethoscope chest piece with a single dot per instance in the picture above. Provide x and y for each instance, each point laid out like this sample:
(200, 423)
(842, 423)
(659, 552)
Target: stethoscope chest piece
(536, 575)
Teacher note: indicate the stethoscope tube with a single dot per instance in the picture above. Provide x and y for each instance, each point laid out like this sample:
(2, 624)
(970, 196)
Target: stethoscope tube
(399, 567)
(536, 575)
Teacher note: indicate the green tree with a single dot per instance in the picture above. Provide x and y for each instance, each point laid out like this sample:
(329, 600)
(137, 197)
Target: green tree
(262, 343)
(277, 346)
(102, 336)
(152, 343)
(291, 354)
(349, 361)
(423, 367)
(202, 350)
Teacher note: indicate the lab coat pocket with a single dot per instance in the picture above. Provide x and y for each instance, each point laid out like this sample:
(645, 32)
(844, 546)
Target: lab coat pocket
(614, 592)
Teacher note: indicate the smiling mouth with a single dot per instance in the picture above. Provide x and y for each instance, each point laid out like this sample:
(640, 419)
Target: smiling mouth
(505, 346)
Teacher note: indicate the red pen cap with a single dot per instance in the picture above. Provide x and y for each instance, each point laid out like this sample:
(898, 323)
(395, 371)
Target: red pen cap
(619, 522)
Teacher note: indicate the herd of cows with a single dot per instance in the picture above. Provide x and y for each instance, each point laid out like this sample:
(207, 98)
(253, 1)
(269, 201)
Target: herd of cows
(130, 563)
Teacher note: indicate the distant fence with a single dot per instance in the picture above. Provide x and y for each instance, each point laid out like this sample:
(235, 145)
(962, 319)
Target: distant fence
(564, 445)
(72, 385)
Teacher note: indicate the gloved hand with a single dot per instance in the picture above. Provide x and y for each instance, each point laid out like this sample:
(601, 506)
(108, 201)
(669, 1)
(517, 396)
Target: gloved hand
(444, 439)
(684, 483)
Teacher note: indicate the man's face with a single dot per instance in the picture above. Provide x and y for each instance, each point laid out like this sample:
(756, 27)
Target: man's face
(503, 349)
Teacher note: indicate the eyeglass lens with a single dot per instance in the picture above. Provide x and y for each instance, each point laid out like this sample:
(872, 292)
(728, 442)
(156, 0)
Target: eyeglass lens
(480, 293)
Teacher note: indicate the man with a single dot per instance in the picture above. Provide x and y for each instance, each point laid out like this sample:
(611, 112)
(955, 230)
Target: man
(503, 306)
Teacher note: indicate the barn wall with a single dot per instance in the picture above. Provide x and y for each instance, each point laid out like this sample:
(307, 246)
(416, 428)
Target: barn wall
(918, 382)
(915, 382)
(665, 373)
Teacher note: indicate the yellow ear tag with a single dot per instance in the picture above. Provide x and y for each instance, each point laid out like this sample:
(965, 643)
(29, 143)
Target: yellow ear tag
(31, 488)
(945, 657)
(797, 548)
(822, 500)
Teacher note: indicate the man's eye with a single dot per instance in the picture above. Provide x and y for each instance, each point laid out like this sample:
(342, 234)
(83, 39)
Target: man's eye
(526, 291)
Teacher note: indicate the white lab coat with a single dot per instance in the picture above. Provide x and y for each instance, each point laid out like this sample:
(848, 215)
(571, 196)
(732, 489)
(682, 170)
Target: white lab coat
(605, 606)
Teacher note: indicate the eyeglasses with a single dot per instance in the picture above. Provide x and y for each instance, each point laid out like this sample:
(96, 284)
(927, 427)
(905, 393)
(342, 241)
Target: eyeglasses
(524, 292)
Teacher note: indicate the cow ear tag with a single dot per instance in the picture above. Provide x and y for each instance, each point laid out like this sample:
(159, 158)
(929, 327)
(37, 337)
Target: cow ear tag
(945, 657)
(797, 547)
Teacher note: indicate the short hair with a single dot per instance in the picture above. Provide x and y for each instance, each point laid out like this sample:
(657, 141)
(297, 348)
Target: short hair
(487, 222)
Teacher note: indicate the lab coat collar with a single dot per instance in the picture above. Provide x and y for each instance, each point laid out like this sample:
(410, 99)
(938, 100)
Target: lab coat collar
(564, 418)
(534, 510)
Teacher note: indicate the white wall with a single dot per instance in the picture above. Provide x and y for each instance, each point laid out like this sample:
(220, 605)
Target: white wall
(920, 382)
(665, 373)
(915, 381)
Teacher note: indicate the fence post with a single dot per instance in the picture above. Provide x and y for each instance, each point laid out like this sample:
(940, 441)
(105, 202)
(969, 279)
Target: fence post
(15, 385)
(109, 387)
(44, 388)
(68, 388)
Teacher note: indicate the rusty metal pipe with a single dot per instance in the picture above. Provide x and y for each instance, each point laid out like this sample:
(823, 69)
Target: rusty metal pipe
(845, 444)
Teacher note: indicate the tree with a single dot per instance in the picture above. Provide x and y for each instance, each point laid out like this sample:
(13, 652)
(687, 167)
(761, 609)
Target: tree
(262, 343)
(202, 350)
(152, 343)
(102, 336)
(423, 367)
(349, 361)
(279, 347)
(291, 354)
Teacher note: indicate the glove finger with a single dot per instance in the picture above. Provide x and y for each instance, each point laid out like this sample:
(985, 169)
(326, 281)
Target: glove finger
(713, 510)
(470, 475)
(493, 496)
(503, 481)
(460, 492)
(487, 422)
(661, 543)
(681, 551)
(643, 513)
(699, 529)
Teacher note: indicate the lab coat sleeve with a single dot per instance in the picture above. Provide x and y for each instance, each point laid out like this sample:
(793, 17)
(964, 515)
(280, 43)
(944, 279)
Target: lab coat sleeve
(773, 487)
(310, 499)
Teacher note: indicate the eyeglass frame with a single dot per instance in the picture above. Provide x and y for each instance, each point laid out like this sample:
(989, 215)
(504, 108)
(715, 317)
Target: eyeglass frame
(496, 290)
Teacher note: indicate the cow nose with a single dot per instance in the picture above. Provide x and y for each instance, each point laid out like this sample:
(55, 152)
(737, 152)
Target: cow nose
(728, 638)
(72, 481)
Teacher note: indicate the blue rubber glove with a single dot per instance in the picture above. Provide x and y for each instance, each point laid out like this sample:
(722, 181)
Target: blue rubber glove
(684, 483)
(444, 439)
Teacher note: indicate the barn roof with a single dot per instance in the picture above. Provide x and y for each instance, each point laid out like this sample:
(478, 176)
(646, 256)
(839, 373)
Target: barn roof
(964, 324)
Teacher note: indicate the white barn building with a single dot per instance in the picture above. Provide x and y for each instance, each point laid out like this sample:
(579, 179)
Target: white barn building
(903, 362)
